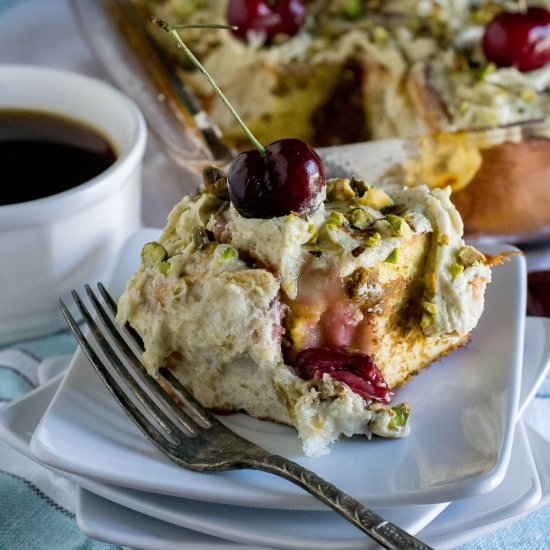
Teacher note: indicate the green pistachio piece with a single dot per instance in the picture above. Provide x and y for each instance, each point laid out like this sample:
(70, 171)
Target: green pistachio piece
(226, 252)
(402, 414)
(443, 239)
(430, 280)
(353, 9)
(393, 256)
(425, 321)
(200, 237)
(359, 219)
(529, 95)
(336, 218)
(379, 34)
(164, 267)
(400, 226)
(375, 198)
(430, 308)
(487, 70)
(153, 253)
(456, 270)
(468, 255)
(359, 186)
(215, 182)
(339, 189)
(374, 239)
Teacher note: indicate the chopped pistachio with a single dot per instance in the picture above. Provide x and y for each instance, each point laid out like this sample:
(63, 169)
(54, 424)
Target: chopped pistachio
(399, 421)
(375, 198)
(443, 239)
(379, 34)
(339, 189)
(430, 280)
(456, 270)
(468, 255)
(314, 237)
(400, 226)
(336, 218)
(464, 107)
(215, 182)
(488, 69)
(529, 95)
(353, 9)
(430, 308)
(164, 267)
(359, 186)
(227, 252)
(393, 256)
(425, 321)
(153, 253)
(374, 239)
(200, 237)
(359, 219)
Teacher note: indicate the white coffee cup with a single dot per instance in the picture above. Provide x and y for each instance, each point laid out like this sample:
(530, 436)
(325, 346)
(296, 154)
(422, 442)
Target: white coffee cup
(54, 244)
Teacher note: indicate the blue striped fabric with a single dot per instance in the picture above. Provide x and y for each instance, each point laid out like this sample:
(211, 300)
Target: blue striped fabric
(36, 510)
(30, 519)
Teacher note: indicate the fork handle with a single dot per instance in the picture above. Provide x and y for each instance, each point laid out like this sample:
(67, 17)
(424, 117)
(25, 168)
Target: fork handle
(384, 532)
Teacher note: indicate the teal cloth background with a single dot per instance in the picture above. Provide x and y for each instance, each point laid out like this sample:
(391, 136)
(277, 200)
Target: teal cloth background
(29, 518)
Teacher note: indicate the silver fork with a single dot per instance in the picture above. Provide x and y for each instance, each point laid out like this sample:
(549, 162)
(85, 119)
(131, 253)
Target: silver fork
(189, 434)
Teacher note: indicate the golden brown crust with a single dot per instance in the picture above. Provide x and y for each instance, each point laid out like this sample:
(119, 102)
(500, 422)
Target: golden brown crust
(510, 194)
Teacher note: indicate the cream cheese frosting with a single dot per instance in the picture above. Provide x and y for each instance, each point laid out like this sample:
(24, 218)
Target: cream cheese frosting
(434, 42)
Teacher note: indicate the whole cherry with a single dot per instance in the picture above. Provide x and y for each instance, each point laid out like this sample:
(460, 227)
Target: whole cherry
(518, 39)
(266, 17)
(288, 177)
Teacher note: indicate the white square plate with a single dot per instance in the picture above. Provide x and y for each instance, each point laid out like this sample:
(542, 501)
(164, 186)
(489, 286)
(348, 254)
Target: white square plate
(463, 417)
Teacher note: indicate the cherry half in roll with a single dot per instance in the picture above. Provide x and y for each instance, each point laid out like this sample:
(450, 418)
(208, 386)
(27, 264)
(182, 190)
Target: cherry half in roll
(285, 176)
(265, 17)
(357, 370)
(519, 39)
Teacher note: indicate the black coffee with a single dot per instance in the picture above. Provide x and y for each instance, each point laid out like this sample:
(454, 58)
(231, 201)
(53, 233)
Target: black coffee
(44, 154)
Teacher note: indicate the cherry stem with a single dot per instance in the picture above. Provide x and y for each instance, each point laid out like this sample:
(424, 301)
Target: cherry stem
(172, 29)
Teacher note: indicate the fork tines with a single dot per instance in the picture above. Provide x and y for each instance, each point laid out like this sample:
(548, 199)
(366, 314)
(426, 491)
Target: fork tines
(129, 377)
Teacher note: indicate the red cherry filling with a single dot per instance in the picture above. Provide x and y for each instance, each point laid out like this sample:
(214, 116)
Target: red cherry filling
(266, 17)
(288, 178)
(356, 370)
(520, 39)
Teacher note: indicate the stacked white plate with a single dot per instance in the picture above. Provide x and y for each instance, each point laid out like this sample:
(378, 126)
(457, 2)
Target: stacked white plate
(469, 466)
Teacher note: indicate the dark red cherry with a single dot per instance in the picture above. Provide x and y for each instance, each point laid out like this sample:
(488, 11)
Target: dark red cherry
(519, 39)
(266, 17)
(288, 178)
(356, 370)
